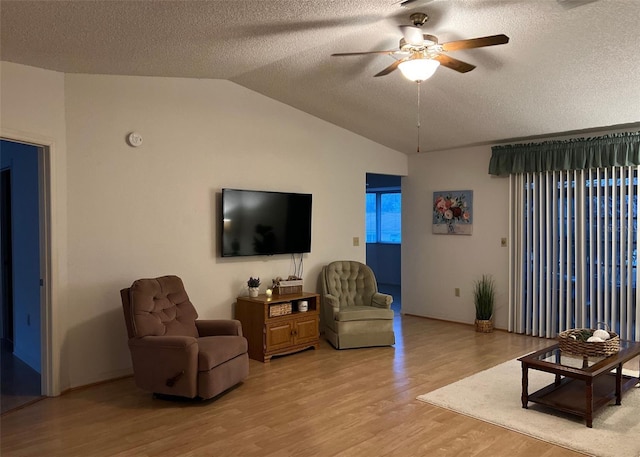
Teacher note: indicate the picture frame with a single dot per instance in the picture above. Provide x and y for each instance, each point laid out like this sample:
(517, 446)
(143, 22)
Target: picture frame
(453, 212)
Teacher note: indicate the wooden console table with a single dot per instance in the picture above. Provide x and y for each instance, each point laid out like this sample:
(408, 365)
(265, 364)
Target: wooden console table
(269, 334)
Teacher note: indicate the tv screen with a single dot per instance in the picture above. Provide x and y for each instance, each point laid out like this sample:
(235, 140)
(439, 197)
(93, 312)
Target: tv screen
(265, 223)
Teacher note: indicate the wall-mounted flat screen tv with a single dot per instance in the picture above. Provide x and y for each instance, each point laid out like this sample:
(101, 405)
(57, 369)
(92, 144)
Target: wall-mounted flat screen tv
(265, 223)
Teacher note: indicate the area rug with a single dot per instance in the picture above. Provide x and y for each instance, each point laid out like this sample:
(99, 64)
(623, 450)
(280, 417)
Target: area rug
(493, 396)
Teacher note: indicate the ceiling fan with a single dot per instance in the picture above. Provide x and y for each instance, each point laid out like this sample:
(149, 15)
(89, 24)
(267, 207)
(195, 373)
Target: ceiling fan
(421, 54)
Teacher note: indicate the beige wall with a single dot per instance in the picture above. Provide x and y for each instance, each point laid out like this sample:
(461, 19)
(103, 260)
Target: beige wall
(120, 213)
(442, 263)
(152, 210)
(433, 266)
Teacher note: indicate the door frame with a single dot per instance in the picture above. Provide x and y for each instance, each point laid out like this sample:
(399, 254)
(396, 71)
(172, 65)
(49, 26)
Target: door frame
(50, 385)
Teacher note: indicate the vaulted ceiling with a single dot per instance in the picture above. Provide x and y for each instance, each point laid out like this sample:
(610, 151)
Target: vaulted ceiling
(570, 65)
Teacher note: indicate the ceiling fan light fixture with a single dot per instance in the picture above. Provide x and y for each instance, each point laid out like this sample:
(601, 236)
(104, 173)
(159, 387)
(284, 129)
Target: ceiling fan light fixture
(418, 70)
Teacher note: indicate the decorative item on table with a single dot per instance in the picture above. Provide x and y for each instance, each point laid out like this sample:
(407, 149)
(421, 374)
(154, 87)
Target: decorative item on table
(253, 284)
(291, 285)
(589, 342)
(268, 293)
(453, 212)
(280, 309)
(484, 293)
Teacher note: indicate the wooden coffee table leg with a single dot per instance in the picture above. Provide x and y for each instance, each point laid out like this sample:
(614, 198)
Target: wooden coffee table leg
(525, 386)
(589, 400)
(619, 385)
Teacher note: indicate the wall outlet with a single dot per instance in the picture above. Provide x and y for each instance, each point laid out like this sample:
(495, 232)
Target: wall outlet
(457, 291)
(356, 241)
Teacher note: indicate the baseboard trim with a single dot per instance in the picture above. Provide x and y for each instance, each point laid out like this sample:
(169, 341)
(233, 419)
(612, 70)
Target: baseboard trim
(451, 322)
(94, 384)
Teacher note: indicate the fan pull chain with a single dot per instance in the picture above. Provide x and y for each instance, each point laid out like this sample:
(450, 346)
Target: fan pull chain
(418, 150)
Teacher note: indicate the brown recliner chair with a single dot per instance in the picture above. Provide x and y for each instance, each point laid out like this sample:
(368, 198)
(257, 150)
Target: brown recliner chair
(172, 352)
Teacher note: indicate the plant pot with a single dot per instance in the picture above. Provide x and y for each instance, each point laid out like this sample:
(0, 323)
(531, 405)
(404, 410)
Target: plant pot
(253, 291)
(484, 326)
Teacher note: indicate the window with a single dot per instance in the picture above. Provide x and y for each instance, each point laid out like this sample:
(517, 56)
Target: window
(383, 217)
(372, 217)
(575, 262)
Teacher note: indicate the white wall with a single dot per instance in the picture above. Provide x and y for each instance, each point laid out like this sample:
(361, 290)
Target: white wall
(434, 265)
(148, 211)
(442, 263)
(153, 210)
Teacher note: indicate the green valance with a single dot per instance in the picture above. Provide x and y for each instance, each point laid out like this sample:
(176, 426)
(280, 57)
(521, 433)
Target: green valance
(619, 149)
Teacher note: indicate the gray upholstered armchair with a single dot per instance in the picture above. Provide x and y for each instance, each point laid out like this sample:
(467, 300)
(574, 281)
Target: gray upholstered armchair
(354, 314)
(172, 352)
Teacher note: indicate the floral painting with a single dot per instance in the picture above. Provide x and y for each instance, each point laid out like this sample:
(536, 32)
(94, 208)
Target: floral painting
(453, 212)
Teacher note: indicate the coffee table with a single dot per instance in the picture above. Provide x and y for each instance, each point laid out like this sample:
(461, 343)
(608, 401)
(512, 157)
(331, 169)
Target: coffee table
(582, 385)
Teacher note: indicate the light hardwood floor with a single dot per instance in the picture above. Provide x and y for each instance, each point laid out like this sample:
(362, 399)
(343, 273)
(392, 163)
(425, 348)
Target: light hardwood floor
(325, 402)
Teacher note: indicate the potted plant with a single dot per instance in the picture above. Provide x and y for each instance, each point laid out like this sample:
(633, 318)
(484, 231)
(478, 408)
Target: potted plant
(253, 284)
(484, 294)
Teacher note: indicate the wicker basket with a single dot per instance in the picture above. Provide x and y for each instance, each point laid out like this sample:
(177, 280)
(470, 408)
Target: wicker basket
(595, 349)
(288, 287)
(281, 309)
(484, 326)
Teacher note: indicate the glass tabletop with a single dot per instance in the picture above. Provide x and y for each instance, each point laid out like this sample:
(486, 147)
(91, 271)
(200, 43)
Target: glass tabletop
(556, 356)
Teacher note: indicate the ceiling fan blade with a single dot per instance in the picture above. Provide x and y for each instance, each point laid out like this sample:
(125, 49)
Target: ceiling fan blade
(454, 64)
(475, 42)
(568, 4)
(390, 68)
(342, 54)
(405, 3)
(412, 35)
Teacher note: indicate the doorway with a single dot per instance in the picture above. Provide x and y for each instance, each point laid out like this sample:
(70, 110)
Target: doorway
(6, 337)
(384, 233)
(21, 298)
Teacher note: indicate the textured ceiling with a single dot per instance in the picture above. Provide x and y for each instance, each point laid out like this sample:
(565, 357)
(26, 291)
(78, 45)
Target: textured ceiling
(571, 65)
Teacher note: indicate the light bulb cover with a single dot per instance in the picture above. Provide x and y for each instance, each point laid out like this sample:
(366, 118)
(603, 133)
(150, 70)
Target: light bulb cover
(418, 69)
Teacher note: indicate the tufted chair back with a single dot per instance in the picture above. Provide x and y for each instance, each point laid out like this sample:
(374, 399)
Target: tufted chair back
(352, 283)
(159, 307)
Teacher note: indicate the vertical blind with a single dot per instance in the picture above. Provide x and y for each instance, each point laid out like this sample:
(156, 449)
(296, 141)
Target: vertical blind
(574, 257)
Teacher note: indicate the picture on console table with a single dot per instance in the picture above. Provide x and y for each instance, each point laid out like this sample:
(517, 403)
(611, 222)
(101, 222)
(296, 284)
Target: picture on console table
(453, 212)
